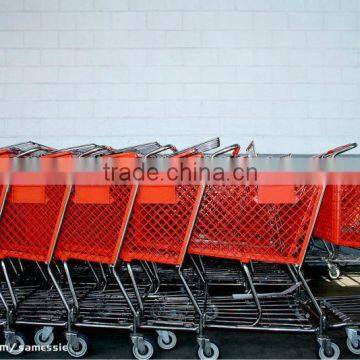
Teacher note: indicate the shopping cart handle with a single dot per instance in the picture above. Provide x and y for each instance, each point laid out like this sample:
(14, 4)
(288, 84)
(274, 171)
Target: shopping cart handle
(75, 148)
(32, 150)
(200, 148)
(338, 150)
(95, 150)
(161, 149)
(341, 149)
(235, 148)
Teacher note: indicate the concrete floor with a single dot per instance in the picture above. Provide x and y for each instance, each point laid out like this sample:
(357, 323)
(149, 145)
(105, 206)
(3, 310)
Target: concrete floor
(247, 345)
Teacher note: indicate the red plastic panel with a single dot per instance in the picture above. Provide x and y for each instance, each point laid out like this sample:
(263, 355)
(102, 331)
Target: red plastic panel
(232, 224)
(276, 194)
(157, 195)
(92, 195)
(159, 232)
(339, 217)
(28, 194)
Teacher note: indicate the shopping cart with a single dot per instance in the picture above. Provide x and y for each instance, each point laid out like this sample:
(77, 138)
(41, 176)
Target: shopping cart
(267, 223)
(11, 195)
(229, 273)
(338, 228)
(30, 223)
(338, 224)
(92, 230)
(158, 232)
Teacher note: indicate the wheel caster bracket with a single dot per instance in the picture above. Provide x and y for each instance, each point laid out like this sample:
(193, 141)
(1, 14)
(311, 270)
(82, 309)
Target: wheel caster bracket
(138, 341)
(205, 344)
(72, 338)
(325, 343)
(353, 334)
(10, 337)
(47, 331)
(164, 335)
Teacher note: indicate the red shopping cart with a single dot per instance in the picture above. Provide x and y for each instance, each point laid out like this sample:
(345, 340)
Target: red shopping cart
(338, 226)
(267, 223)
(30, 223)
(93, 230)
(159, 232)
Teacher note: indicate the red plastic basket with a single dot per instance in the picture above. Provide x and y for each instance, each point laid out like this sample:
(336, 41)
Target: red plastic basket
(339, 217)
(95, 220)
(161, 222)
(260, 223)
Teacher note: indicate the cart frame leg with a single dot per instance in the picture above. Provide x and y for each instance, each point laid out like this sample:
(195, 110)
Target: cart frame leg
(322, 338)
(136, 338)
(202, 340)
(254, 293)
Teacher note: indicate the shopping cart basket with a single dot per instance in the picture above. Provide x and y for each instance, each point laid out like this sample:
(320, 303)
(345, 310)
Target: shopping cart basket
(256, 222)
(338, 223)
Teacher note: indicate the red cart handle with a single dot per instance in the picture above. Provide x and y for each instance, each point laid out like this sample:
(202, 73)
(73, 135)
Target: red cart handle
(235, 148)
(338, 150)
(200, 148)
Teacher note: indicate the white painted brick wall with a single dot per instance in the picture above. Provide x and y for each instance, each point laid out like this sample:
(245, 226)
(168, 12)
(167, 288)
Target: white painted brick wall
(283, 72)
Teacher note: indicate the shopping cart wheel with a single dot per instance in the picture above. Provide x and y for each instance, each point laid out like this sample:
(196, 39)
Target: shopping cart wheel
(354, 349)
(334, 272)
(80, 350)
(214, 352)
(166, 339)
(143, 354)
(16, 346)
(44, 336)
(334, 355)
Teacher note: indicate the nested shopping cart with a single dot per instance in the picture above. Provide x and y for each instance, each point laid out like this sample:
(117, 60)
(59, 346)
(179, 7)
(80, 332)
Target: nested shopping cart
(10, 246)
(30, 222)
(267, 223)
(223, 203)
(338, 223)
(158, 232)
(338, 227)
(93, 230)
